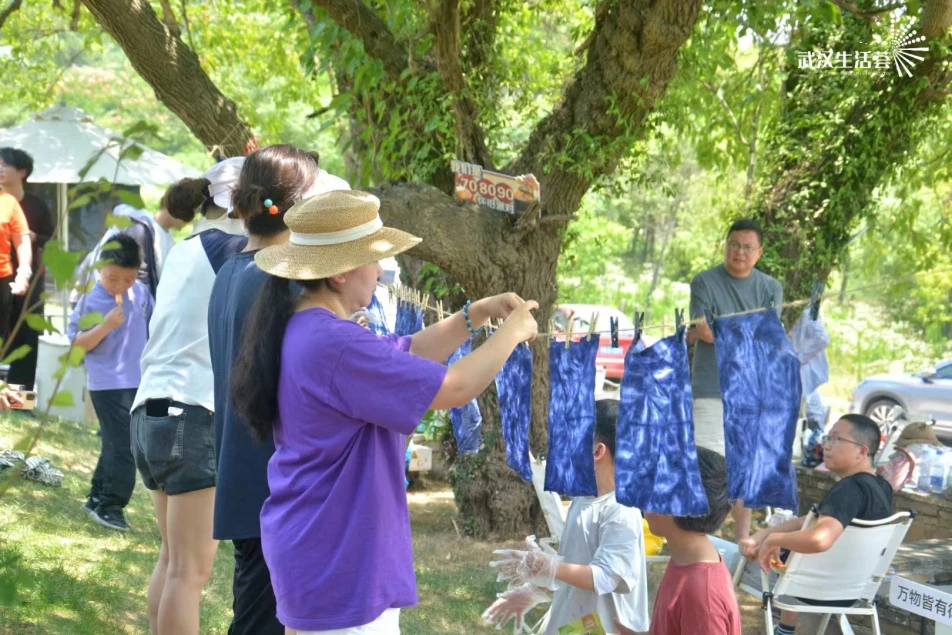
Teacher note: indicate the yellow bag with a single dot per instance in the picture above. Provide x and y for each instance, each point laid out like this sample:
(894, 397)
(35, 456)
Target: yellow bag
(653, 544)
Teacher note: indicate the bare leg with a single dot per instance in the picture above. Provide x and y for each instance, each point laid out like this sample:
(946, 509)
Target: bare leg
(157, 582)
(788, 618)
(191, 558)
(741, 517)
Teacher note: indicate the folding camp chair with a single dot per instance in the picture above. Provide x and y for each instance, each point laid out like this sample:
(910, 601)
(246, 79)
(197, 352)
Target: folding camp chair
(852, 569)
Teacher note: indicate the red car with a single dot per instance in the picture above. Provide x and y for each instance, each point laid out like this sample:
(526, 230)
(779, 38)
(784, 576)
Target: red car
(611, 359)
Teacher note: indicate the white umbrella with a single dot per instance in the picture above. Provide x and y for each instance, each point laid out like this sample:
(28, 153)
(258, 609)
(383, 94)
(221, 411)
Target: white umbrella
(62, 140)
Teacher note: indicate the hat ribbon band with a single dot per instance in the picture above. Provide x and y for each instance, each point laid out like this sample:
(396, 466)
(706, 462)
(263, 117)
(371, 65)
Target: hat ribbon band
(336, 238)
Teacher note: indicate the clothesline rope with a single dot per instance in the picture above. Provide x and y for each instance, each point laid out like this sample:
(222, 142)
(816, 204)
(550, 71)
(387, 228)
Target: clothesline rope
(418, 299)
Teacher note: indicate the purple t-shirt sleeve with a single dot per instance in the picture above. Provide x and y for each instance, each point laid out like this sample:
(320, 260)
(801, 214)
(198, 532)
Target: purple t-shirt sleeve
(377, 380)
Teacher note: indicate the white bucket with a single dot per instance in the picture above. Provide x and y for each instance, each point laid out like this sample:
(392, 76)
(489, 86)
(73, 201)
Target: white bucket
(51, 348)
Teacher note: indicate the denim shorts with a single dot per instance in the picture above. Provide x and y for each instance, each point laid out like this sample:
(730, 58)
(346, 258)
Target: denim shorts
(174, 452)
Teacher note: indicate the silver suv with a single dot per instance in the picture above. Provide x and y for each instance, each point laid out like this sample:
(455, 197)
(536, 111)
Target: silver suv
(921, 395)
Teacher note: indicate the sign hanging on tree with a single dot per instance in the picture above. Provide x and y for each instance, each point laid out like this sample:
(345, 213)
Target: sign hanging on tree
(494, 190)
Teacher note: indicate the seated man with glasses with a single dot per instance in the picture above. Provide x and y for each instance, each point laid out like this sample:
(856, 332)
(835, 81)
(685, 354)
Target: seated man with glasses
(860, 494)
(734, 286)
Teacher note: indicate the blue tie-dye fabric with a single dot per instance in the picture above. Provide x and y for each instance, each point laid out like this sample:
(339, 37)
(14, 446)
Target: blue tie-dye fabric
(760, 386)
(514, 385)
(656, 466)
(467, 421)
(570, 464)
(409, 319)
(377, 317)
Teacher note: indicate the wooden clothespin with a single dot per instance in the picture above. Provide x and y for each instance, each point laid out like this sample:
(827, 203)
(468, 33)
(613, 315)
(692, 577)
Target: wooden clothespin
(439, 310)
(568, 333)
(678, 318)
(613, 329)
(592, 325)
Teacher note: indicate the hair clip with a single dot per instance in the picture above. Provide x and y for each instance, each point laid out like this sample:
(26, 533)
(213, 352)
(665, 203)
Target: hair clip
(271, 207)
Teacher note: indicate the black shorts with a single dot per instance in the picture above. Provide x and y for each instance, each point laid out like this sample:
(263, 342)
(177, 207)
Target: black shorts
(174, 452)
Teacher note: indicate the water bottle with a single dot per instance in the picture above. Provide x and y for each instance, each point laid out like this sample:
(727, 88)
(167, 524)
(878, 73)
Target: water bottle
(925, 471)
(937, 472)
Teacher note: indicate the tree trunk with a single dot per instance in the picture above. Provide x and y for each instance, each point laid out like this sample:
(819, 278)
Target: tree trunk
(173, 71)
(820, 187)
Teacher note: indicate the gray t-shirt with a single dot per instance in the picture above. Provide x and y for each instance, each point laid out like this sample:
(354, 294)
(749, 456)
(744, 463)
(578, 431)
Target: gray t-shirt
(718, 292)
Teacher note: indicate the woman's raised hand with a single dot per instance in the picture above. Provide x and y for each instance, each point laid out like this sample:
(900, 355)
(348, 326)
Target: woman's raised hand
(521, 322)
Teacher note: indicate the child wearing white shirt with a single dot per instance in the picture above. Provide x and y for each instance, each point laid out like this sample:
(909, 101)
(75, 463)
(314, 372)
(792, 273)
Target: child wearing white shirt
(600, 566)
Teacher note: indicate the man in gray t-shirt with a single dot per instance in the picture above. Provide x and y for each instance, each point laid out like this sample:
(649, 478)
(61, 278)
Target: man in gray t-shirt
(733, 286)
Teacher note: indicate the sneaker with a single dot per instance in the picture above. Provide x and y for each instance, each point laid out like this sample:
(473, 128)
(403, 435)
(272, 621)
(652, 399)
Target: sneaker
(112, 519)
(90, 505)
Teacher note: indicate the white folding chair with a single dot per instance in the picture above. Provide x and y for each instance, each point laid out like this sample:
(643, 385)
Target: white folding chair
(852, 569)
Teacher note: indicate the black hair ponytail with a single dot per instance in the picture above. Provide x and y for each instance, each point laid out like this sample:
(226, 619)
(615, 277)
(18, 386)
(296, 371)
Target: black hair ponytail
(254, 381)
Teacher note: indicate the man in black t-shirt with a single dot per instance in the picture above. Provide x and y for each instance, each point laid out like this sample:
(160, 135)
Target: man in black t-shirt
(860, 494)
(15, 168)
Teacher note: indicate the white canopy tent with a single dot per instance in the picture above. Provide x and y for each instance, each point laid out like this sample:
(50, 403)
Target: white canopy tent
(62, 140)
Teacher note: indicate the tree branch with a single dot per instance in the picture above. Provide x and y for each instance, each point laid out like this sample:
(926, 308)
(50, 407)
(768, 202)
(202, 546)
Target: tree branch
(730, 111)
(366, 26)
(6, 13)
(74, 19)
(470, 140)
(478, 23)
(168, 16)
(175, 74)
(631, 59)
(866, 14)
(465, 241)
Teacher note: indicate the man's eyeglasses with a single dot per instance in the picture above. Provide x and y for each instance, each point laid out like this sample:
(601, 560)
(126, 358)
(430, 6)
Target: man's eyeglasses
(832, 441)
(744, 249)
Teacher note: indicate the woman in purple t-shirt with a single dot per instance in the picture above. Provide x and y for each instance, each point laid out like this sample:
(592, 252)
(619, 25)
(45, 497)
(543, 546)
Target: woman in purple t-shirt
(340, 402)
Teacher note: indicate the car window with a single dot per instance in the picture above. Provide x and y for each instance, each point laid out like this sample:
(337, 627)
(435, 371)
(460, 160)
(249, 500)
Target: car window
(944, 372)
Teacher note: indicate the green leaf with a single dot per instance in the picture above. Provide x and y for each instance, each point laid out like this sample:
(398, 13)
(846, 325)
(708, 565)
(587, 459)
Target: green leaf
(131, 153)
(60, 262)
(122, 222)
(80, 201)
(90, 320)
(18, 353)
(63, 398)
(76, 356)
(130, 198)
(40, 323)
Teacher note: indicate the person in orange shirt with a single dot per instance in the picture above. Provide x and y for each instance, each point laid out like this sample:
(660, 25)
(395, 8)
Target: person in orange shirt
(13, 231)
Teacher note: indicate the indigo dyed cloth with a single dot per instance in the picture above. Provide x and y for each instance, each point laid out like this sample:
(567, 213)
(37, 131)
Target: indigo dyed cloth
(409, 319)
(656, 466)
(570, 464)
(760, 385)
(514, 385)
(467, 421)
(377, 317)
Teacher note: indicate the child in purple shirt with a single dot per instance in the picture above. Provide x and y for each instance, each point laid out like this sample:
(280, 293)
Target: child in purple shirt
(113, 349)
(340, 402)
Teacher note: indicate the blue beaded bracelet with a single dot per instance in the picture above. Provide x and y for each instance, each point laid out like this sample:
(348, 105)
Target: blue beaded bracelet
(469, 322)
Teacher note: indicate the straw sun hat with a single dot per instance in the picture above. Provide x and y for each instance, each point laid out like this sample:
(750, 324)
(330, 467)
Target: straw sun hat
(331, 234)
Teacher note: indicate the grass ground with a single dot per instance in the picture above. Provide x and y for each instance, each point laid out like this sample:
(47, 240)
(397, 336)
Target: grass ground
(80, 578)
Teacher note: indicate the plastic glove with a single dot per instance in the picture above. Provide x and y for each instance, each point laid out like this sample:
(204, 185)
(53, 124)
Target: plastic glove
(515, 604)
(533, 566)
